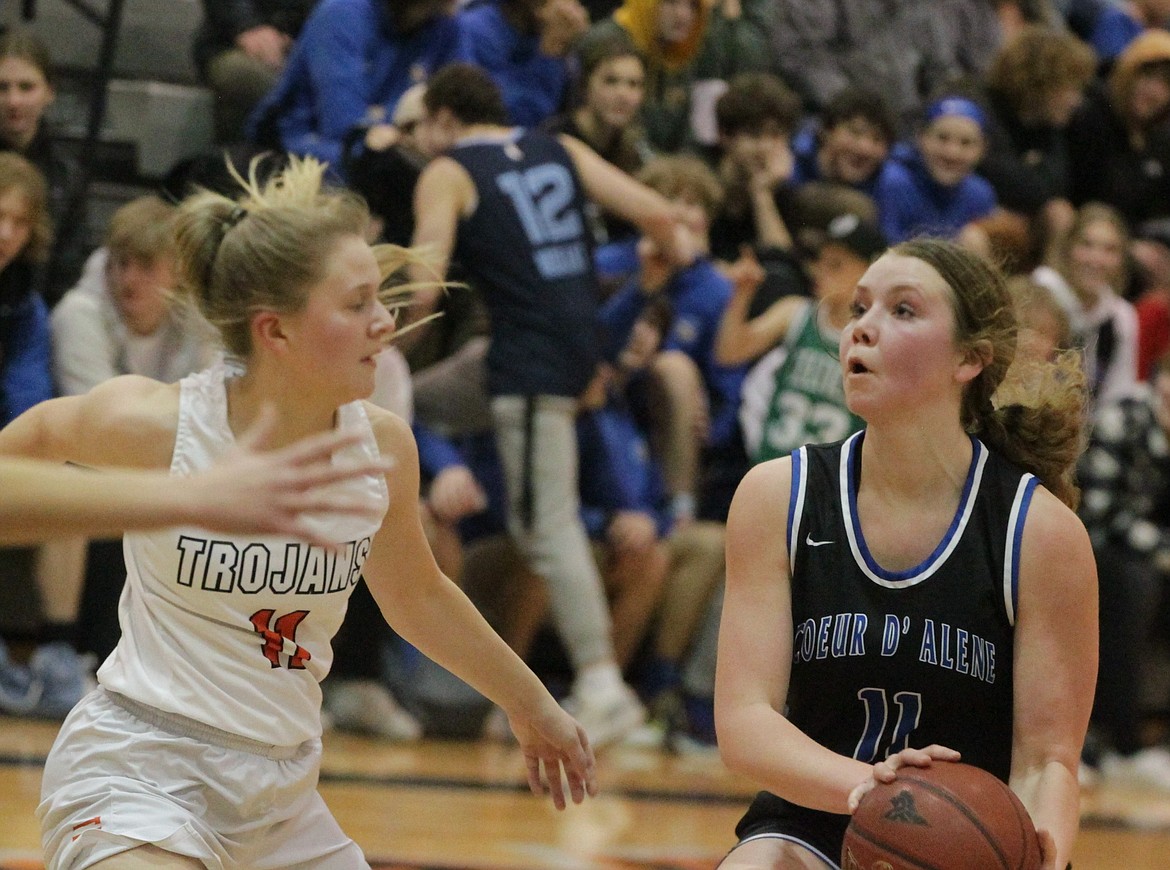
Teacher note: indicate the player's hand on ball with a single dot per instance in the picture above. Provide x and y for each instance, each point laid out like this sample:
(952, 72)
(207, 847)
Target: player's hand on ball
(554, 744)
(887, 770)
(1047, 850)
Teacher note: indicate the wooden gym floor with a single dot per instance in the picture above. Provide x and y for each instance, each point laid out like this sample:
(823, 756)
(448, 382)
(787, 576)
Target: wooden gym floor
(444, 805)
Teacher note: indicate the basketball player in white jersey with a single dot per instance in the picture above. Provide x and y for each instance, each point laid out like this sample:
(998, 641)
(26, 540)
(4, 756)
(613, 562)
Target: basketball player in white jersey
(920, 592)
(201, 745)
(249, 490)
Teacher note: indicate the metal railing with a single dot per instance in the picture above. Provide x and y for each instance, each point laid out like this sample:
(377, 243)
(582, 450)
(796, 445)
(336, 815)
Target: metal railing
(109, 23)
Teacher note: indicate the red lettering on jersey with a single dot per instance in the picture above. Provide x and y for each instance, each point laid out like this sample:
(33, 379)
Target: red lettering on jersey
(275, 632)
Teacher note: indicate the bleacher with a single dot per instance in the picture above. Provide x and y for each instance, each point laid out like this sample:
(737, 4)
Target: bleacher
(155, 112)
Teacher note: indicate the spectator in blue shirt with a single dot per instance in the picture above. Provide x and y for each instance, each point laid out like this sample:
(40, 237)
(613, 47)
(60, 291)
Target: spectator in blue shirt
(848, 142)
(695, 392)
(351, 63)
(25, 237)
(933, 189)
(523, 44)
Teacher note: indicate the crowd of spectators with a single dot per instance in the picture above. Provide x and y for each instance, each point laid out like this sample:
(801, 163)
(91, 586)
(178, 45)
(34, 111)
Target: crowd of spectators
(717, 175)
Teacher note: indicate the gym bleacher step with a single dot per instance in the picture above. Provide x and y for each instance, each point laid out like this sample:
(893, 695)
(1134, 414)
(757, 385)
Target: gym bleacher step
(149, 126)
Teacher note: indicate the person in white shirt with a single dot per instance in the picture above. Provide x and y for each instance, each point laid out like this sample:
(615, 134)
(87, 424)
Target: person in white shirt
(123, 317)
(1088, 279)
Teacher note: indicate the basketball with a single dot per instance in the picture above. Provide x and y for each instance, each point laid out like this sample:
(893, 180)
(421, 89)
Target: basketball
(944, 817)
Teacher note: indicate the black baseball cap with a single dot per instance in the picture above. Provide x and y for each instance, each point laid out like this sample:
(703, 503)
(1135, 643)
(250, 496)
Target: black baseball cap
(864, 238)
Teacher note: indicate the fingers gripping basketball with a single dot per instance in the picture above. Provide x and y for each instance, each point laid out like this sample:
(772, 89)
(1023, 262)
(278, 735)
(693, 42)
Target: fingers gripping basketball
(944, 817)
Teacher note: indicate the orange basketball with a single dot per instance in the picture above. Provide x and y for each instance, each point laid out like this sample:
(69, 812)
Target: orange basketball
(943, 817)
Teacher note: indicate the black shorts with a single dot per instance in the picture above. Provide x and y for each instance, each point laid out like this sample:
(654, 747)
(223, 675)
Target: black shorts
(821, 832)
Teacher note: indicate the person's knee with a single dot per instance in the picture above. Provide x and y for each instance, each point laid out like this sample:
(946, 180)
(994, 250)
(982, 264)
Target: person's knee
(676, 373)
(233, 73)
(698, 540)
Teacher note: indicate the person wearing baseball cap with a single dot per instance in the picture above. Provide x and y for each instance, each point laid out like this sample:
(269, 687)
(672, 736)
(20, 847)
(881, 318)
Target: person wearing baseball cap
(860, 237)
(793, 394)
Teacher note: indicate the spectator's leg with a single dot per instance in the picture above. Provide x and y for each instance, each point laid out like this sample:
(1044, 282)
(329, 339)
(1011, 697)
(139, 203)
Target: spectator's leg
(537, 443)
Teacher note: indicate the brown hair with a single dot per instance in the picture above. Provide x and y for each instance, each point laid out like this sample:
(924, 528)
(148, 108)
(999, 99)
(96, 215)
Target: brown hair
(468, 93)
(1031, 299)
(143, 228)
(753, 99)
(854, 101)
(1035, 418)
(23, 44)
(611, 47)
(19, 174)
(674, 175)
(1038, 61)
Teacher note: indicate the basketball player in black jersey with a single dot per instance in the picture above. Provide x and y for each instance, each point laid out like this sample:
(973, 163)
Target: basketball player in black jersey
(509, 204)
(920, 593)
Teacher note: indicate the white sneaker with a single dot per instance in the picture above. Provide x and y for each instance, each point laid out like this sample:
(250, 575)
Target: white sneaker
(1088, 776)
(1149, 768)
(366, 706)
(651, 735)
(606, 716)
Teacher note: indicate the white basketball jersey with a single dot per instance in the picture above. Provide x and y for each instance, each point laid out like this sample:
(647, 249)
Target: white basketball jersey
(235, 631)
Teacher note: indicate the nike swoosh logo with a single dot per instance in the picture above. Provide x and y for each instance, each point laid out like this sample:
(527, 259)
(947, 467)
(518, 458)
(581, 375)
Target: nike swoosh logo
(808, 540)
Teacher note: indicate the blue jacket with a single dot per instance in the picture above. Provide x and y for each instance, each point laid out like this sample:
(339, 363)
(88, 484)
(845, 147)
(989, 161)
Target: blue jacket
(911, 203)
(533, 84)
(617, 470)
(347, 59)
(698, 294)
(25, 345)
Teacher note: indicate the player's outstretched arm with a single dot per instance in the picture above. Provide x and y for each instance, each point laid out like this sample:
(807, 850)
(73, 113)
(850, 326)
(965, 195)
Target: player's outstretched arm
(432, 614)
(251, 490)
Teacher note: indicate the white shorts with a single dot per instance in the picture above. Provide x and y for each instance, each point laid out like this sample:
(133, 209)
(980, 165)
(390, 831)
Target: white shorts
(117, 779)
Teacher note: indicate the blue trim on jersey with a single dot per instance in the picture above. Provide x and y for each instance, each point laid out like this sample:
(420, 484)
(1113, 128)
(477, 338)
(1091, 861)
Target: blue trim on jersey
(1019, 516)
(865, 561)
(796, 504)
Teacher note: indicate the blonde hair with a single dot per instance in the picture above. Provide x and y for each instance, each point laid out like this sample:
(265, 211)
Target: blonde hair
(1032, 413)
(1093, 213)
(1033, 299)
(1150, 49)
(143, 228)
(676, 175)
(266, 250)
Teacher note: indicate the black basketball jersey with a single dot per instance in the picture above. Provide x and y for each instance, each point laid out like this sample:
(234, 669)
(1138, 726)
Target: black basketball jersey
(528, 248)
(885, 660)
